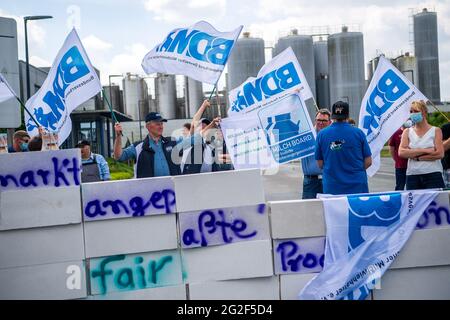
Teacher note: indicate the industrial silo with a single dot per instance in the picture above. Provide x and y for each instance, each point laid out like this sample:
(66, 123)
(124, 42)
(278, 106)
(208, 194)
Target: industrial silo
(302, 46)
(426, 52)
(166, 95)
(194, 95)
(371, 67)
(112, 93)
(134, 95)
(246, 58)
(407, 64)
(346, 67)
(322, 73)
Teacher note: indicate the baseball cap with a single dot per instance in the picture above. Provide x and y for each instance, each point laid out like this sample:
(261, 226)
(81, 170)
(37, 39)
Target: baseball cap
(82, 143)
(154, 116)
(340, 110)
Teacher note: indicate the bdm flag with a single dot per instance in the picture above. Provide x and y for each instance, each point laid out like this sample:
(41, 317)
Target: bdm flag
(278, 78)
(199, 51)
(365, 234)
(385, 107)
(6, 92)
(71, 81)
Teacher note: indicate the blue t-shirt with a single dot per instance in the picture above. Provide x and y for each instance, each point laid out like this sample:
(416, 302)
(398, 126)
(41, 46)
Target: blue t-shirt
(343, 149)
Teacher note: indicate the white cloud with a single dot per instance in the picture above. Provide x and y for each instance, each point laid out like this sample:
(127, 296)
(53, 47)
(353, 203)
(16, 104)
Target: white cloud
(94, 44)
(186, 11)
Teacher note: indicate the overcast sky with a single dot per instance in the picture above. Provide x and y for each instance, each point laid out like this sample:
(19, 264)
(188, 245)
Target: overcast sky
(118, 33)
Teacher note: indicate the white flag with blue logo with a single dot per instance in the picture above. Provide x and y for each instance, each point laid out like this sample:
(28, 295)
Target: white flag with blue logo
(365, 234)
(278, 78)
(199, 51)
(6, 92)
(71, 81)
(385, 107)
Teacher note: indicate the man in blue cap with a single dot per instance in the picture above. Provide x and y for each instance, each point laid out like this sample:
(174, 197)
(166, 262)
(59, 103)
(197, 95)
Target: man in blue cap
(153, 155)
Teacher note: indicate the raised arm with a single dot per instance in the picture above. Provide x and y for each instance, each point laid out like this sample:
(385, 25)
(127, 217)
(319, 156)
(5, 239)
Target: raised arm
(118, 141)
(198, 115)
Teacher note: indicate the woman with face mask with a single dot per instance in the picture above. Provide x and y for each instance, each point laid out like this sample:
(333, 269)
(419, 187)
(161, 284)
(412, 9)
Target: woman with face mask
(422, 146)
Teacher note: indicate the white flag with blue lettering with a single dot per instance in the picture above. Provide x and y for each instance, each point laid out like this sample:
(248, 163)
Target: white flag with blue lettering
(278, 78)
(365, 234)
(6, 92)
(71, 81)
(385, 107)
(199, 51)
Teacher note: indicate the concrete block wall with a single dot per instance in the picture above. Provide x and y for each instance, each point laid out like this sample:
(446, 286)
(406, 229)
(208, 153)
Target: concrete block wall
(206, 236)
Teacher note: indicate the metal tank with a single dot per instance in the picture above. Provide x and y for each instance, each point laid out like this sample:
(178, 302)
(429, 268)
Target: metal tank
(166, 95)
(135, 92)
(322, 74)
(426, 52)
(371, 67)
(407, 64)
(346, 67)
(302, 46)
(194, 95)
(112, 93)
(246, 59)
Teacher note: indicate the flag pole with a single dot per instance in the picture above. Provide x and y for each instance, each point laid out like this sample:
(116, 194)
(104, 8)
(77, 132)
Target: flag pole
(29, 113)
(113, 116)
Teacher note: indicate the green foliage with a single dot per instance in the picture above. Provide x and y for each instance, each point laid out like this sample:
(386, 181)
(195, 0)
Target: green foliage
(120, 170)
(437, 119)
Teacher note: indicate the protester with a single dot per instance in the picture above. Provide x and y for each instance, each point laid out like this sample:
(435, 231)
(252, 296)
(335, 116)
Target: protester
(211, 152)
(446, 160)
(400, 163)
(312, 174)
(153, 155)
(422, 146)
(35, 143)
(343, 153)
(20, 142)
(351, 122)
(95, 167)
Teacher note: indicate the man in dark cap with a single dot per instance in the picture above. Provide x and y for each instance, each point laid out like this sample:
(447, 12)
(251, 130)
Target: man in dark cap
(95, 167)
(343, 153)
(153, 155)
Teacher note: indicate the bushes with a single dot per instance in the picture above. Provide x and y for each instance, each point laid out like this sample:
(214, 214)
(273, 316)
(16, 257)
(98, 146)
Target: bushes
(119, 170)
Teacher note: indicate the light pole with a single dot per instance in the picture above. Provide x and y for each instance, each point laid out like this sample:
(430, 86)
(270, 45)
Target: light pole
(25, 20)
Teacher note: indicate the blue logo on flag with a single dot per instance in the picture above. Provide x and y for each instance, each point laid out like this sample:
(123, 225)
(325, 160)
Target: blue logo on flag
(198, 45)
(71, 68)
(389, 89)
(264, 87)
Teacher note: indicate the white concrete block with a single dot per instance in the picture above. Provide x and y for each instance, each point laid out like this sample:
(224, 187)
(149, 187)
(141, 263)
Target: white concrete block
(303, 255)
(415, 284)
(297, 219)
(437, 215)
(31, 170)
(127, 272)
(161, 293)
(127, 198)
(222, 226)
(248, 259)
(21, 209)
(219, 190)
(47, 245)
(427, 247)
(132, 235)
(292, 284)
(65, 280)
(266, 288)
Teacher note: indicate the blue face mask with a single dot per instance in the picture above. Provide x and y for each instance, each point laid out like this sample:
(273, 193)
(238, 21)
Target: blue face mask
(24, 146)
(416, 117)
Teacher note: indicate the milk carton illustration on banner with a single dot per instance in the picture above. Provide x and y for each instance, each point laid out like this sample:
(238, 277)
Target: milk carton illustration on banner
(288, 132)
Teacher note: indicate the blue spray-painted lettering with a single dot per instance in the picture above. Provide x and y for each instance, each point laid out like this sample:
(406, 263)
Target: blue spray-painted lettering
(136, 206)
(71, 68)
(210, 222)
(389, 89)
(272, 83)
(64, 172)
(293, 260)
(198, 45)
(434, 209)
